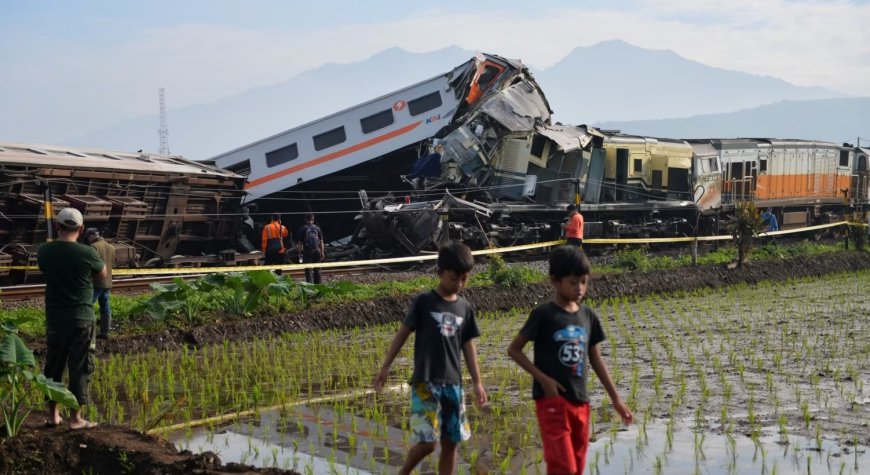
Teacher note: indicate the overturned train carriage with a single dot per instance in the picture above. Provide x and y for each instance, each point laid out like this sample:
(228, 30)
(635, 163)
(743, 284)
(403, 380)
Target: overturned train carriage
(155, 209)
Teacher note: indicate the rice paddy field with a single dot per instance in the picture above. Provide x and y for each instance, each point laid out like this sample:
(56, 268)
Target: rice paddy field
(771, 378)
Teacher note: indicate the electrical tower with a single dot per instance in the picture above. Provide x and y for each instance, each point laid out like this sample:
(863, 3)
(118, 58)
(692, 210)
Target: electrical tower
(163, 131)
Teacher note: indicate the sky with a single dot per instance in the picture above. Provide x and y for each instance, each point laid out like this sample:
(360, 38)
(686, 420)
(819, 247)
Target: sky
(71, 67)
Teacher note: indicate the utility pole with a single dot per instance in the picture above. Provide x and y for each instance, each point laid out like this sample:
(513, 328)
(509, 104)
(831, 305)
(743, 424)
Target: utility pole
(163, 131)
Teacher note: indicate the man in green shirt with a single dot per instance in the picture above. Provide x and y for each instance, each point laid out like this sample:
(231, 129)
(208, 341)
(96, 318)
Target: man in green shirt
(103, 287)
(69, 269)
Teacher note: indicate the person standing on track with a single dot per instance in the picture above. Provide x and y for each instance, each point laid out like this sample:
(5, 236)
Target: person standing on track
(574, 228)
(310, 246)
(274, 234)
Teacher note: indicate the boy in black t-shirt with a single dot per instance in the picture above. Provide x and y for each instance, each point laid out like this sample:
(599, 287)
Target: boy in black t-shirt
(445, 327)
(564, 331)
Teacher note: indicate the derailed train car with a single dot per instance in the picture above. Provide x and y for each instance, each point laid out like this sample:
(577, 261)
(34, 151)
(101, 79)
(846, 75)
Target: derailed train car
(474, 155)
(157, 210)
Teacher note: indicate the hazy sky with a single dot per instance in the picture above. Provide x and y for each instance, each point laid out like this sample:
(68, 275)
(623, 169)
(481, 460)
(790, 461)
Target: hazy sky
(69, 67)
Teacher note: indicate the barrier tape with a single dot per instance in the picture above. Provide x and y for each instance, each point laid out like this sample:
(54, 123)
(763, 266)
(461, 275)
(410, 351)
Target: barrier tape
(432, 257)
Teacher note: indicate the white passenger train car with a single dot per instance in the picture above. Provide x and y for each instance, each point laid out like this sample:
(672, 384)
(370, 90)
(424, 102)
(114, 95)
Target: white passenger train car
(343, 140)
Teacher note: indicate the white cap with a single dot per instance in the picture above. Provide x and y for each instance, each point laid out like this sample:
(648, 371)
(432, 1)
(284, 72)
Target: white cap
(70, 218)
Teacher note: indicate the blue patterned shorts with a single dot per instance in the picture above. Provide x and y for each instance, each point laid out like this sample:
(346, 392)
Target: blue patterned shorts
(438, 408)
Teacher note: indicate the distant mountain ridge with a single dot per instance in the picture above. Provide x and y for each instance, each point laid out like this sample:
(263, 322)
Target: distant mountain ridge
(610, 80)
(614, 80)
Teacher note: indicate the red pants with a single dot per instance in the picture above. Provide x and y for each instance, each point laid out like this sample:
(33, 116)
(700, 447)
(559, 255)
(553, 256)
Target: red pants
(564, 433)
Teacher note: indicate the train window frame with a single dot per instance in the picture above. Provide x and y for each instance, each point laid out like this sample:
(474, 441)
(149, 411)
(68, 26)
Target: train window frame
(276, 157)
(762, 165)
(424, 104)
(539, 143)
(714, 164)
(637, 165)
(844, 154)
(377, 121)
(330, 138)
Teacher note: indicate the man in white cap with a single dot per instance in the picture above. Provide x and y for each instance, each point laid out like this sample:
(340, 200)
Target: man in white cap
(69, 269)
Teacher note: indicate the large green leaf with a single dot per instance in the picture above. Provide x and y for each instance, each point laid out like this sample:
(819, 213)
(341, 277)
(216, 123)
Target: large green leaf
(14, 352)
(260, 279)
(53, 390)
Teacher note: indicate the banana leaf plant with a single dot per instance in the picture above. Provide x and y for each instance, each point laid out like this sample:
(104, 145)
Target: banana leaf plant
(243, 293)
(18, 379)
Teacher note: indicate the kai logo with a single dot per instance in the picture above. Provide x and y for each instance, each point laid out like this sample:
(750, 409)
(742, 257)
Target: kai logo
(435, 117)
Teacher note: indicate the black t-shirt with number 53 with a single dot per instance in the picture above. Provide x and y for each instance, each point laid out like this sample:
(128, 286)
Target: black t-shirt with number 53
(561, 344)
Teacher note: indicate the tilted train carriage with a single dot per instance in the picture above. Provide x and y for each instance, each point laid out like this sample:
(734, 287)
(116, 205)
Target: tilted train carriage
(155, 209)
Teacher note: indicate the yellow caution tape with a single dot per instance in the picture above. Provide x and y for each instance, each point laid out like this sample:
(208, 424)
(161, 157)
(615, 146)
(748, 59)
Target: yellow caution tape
(432, 257)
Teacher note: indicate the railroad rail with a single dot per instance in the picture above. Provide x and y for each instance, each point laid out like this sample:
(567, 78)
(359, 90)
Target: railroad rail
(15, 293)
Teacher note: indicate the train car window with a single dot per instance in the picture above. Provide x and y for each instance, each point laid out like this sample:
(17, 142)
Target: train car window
(424, 104)
(638, 165)
(282, 155)
(844, 158)
(538, 146)
(762, 165)
(714, 165)
(329, 139)
(244, 167)
(862, 163)
(377, 121)
(489, 74)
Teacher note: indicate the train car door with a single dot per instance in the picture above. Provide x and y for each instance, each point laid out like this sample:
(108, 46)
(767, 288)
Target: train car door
(707, 181)
(861, 176)
(621, 173)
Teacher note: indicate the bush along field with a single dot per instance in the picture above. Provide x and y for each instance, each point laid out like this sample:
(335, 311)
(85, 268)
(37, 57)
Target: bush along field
(767, 377)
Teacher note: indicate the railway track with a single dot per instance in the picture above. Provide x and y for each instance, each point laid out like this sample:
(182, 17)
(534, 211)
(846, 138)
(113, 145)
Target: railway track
(34, 291)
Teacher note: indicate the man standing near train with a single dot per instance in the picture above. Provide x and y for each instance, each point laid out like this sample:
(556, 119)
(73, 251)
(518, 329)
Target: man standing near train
(69, 269)
(274, 234)
(574, 228)
(309, 243)
(102, 287)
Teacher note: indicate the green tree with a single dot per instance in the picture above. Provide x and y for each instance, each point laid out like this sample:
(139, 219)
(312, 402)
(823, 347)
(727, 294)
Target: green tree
(744, 225)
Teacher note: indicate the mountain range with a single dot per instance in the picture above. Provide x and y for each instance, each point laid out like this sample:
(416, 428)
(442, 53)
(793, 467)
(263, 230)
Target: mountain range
(611, 85)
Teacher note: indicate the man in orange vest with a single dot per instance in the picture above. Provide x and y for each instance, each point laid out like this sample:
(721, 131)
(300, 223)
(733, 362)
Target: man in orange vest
(274, 234)
(574, 228)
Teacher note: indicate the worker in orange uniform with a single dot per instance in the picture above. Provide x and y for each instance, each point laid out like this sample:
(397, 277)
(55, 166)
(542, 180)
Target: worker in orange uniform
(274, 234)
(574, 228)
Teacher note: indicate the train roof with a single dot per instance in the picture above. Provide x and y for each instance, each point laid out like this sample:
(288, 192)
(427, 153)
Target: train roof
(741, 142)
(456, 71)
(78, 157)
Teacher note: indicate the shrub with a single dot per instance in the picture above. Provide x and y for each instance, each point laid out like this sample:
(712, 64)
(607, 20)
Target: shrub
(17, 379)
(633, 259)
(499, 273)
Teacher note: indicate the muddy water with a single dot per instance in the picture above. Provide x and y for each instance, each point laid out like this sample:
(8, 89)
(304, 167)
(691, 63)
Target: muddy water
(791, 355)
(323, 441)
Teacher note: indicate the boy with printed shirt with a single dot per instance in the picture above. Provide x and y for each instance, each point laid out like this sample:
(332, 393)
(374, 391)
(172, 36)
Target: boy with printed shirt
(445, 326)
(564, 331)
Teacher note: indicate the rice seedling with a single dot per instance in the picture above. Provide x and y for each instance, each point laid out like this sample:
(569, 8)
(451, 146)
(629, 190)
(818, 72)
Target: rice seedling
(739, 356)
